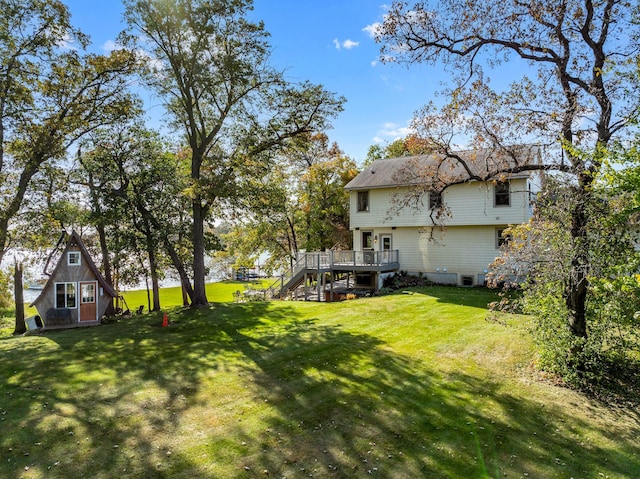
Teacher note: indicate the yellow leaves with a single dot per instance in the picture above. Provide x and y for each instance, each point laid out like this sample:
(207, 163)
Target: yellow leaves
(578, 13)
(190, 191)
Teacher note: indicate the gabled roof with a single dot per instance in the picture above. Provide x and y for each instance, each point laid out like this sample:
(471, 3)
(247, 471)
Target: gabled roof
(442, 170)
(74, 238)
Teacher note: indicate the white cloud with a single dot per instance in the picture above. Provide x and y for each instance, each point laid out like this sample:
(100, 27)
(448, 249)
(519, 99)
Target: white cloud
(392, 131)
(67, 42)
(110, 46)
(372, 29)
(348, 44)
(374, 63)
(153, 63)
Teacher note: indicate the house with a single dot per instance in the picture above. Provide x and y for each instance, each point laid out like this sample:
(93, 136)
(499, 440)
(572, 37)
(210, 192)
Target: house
(445, 216)
(76, 294)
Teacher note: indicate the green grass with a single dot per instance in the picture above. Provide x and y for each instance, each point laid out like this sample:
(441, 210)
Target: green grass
(221, 292)
(401, 386)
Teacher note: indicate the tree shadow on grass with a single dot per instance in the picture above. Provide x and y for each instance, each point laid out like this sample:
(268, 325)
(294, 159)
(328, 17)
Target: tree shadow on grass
(105, 401)
(478, 297)
(345, 405)
(305, 400)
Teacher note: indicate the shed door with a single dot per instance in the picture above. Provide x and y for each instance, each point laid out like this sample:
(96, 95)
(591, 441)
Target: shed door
(88, 304)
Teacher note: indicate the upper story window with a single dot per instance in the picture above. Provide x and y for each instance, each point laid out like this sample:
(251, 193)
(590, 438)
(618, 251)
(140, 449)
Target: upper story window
(435, 199)
(363, 201)
(502, 195)
(73, 258)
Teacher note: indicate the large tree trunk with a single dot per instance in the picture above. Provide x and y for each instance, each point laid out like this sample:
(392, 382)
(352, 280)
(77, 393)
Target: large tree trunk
(576, 298)
(577, 287)
(20, 326)
(104, 250)
(4, 222)
(177, 263)
(185, 296)
(199, 293)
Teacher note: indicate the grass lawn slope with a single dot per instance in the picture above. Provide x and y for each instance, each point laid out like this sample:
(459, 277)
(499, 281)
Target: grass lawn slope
(401, 386)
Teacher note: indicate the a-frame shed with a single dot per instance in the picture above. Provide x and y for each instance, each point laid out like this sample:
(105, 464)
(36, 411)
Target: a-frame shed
(76, 294)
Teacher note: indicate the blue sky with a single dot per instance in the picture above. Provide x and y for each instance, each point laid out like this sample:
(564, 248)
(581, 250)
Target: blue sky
(323, 42)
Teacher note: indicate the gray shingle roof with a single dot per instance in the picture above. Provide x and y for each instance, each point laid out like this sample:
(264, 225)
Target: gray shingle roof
(441, 170)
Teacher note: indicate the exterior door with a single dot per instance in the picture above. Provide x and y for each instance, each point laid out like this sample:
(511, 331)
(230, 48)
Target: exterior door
(385, 247)
(385, 242)
(88, 301)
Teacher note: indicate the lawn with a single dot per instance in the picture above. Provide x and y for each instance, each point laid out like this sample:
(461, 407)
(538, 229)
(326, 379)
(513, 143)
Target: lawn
(401, 386)
(222, 292)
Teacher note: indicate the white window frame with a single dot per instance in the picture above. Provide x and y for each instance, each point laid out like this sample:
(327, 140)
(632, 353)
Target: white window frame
(502, 188)
(67, 295)
(369, 234)
(94, 289)
(77, 258)
(362, 208)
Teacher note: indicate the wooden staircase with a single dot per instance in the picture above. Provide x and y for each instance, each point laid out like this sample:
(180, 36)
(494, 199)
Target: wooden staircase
(318, 263)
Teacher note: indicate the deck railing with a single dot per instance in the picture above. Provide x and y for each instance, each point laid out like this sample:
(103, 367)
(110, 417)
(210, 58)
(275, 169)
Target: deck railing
(364, 258)
(331, 259)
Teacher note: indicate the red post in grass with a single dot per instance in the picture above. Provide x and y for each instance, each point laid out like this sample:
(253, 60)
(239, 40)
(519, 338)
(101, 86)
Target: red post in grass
(165, 320)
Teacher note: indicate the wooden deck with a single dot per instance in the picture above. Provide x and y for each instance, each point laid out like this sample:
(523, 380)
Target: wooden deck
(350, 260)
(317, 263)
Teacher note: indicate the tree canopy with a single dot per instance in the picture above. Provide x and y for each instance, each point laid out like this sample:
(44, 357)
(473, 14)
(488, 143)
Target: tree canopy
(50, 96)
(211, 66)
(411, 145)
(300, 204)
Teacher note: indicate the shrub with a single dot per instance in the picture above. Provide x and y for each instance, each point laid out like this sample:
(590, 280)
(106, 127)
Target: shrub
(404, 280)
(612, 346)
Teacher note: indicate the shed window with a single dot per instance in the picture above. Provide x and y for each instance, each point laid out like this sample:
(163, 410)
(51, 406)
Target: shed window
(88, 293)
(65, 295)
(73, 258)
(363, 201)
(502, 194)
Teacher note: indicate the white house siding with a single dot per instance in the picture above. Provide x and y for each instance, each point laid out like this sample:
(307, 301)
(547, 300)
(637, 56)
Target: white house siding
(473, 204)
(443, 255)
(379, 214)
(468, 204)
(461, 250)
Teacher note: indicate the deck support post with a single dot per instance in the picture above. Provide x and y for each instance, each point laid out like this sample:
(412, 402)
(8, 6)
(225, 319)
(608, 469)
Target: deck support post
(306, 286)
(333, 279)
